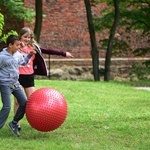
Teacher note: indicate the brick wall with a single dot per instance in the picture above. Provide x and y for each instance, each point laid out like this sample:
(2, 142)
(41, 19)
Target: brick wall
(65, 27)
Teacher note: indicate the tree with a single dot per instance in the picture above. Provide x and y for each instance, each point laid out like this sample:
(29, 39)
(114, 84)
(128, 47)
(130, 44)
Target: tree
(110, 42)
(94, 51)
(133, 17)
(38, 18)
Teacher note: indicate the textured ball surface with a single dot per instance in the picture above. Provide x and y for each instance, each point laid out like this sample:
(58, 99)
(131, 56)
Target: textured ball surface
(46, 109)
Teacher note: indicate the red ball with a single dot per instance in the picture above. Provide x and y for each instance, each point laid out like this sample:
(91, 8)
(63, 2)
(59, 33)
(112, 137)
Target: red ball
(46, 109)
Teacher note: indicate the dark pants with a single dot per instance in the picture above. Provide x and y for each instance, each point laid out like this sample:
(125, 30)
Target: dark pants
(6, 101)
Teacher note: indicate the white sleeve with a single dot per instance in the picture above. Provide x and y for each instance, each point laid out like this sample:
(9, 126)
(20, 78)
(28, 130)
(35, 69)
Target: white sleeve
(19, 58)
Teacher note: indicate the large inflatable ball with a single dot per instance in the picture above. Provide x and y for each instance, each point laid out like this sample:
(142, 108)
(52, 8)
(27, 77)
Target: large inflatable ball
(46, 109)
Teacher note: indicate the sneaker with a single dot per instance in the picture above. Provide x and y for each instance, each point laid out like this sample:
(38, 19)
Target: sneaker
(14, 129)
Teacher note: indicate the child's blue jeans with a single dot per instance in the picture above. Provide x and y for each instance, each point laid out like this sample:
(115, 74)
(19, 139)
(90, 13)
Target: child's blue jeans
(6, 92)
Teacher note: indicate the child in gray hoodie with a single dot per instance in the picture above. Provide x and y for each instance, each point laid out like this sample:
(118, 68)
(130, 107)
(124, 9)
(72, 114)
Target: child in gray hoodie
(9, 82)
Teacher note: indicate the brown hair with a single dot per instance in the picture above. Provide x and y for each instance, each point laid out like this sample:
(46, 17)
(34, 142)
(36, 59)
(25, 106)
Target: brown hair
(11, 39)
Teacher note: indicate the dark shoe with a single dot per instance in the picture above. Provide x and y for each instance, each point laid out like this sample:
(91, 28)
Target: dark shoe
(14, 129)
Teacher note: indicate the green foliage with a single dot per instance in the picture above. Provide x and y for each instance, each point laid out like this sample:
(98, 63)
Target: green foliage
(141, 51)
(102, 23)
(16, 9)
(118, 46)
(141, 72)
(3, 37)
(134, 15)
(1, 23)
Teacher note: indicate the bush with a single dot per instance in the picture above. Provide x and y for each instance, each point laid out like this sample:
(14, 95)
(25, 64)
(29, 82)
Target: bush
(140, 72)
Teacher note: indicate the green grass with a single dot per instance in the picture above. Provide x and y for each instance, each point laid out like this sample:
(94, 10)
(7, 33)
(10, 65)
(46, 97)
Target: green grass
(101, 116)
(139, 83)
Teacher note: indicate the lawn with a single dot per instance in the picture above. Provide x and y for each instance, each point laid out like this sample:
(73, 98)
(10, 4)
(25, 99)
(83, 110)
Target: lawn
(101, 116)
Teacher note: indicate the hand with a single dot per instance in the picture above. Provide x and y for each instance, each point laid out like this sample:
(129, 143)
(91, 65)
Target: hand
(22, 44)
(69, 55)
(32, 52)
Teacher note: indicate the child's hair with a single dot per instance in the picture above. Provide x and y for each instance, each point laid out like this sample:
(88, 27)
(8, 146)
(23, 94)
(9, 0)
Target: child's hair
(30, 32)
(11, 39)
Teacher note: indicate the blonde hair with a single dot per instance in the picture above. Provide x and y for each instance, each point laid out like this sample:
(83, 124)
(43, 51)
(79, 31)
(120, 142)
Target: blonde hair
(30, 32)
(32, 42)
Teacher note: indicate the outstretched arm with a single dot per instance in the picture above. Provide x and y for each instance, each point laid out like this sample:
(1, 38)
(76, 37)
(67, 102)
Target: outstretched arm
(55, 52)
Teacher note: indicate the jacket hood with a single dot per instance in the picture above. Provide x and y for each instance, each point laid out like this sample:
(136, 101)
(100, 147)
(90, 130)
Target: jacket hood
(4, 52)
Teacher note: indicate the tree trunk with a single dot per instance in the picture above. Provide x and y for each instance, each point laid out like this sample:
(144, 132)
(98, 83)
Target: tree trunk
(94, 51)
(38, 19)
(110, 42)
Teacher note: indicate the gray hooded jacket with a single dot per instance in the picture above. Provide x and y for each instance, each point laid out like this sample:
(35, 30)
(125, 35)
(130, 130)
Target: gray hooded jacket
(9, 65)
